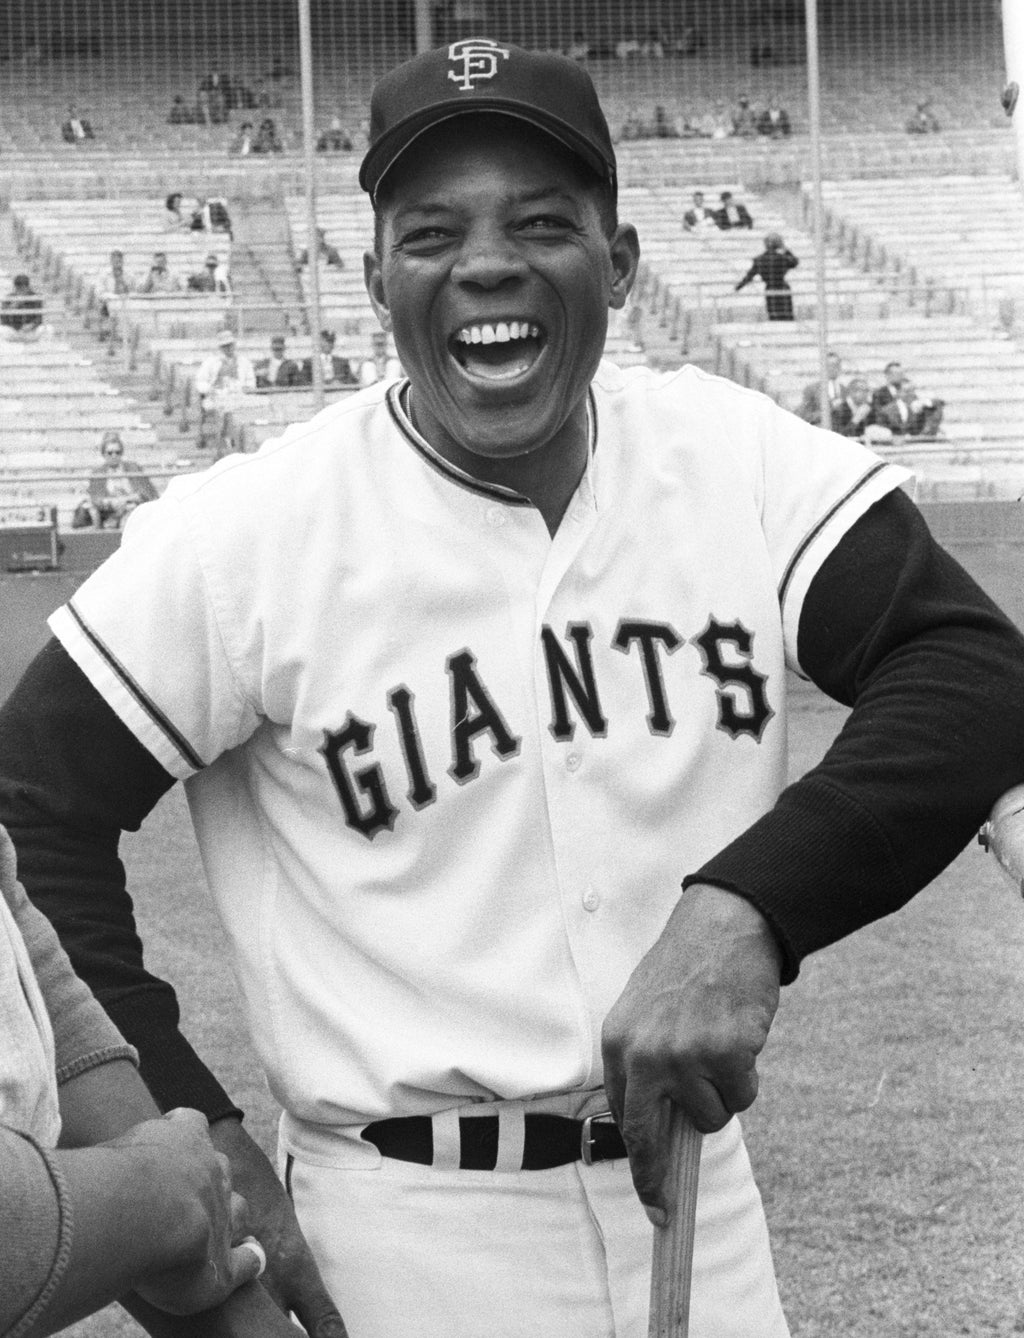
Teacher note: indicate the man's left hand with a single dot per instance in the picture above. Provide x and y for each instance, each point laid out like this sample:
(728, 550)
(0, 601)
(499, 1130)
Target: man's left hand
(687, 1030)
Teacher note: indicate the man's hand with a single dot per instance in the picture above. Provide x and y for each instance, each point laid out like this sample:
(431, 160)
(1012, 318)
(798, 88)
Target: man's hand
(292, 1277)
(688, 1028)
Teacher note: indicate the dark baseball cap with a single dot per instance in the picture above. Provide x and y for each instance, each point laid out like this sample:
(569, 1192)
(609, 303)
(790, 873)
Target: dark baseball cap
(476, 75)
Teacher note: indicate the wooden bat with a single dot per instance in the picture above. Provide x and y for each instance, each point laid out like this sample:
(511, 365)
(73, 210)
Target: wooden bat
(1003, 834)
(672, 1262)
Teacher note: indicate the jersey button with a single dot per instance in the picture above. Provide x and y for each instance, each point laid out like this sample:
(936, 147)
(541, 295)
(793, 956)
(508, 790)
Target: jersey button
(573, 761)
(591, 899)
(496, 516)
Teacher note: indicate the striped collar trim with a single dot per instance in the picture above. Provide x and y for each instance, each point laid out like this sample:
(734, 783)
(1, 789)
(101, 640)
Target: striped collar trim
(397, 402)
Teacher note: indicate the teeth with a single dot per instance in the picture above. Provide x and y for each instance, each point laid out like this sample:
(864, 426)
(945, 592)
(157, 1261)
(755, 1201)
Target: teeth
(501, 333)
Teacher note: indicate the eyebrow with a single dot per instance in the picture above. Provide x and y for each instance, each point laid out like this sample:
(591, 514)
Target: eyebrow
(433, 208)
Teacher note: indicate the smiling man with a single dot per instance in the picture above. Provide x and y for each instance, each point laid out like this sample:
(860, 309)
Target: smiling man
(477, 684)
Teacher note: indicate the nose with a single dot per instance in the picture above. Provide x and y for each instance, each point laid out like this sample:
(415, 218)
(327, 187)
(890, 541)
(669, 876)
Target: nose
(488, 258)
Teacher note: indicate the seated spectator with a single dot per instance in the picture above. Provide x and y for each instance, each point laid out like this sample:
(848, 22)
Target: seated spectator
(889, 390)
(744, 118)
(21, 312)
(181, 113)
(924, 120)
(627, 46)
(211, 216)
(160, 279)
(852, 414)
(664, 126)
(732, 213)
(75, 129)
(326, 254)
(909, 415)
(277, 370)
(225, 376)
(380, 366)
(110, 283)
(335, 139)
(337, 371)
(100, 1195)
(810, 405)
(579, 48)
(699, 218)
(244, 140)
(212, 278)
(774, 122)
(119, 487)
(267, 140)
(653, 45)
(175, 216)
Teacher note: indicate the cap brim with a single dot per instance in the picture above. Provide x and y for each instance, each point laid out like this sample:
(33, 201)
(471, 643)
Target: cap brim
(390, 147)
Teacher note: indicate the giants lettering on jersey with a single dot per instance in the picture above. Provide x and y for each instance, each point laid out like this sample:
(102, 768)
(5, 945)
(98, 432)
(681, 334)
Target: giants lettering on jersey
(726, 651)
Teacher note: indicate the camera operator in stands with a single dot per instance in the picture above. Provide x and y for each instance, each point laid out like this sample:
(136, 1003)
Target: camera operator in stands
(211, 216)
(21, 312)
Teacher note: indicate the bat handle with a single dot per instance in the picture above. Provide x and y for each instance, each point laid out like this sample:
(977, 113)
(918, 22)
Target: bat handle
(672, 1262)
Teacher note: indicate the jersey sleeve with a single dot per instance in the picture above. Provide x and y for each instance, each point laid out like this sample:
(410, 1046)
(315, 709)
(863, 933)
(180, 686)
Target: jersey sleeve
(153, 635)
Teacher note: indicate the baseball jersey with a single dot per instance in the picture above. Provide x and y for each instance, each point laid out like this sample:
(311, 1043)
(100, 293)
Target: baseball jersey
(447, 771)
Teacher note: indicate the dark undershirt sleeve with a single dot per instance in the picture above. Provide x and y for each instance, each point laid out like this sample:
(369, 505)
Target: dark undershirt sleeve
(72, 778)
(894, 627)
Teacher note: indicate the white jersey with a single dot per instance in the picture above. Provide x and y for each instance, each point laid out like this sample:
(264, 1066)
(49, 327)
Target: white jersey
(446, 771)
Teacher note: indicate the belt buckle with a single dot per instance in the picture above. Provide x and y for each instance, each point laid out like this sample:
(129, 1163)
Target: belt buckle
(587, 1139)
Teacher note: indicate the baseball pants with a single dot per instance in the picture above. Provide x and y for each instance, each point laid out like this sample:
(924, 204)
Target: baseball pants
(448, 1253)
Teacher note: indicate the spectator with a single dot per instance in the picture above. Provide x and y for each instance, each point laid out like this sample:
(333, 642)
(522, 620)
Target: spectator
(335, 139)
(774, 122)
(267, 140)
(326, 254)
(889, 390)
(225, 376)
(100, 1195)
(924, 120)
(75, 129)
(211, 216)
(174, 215)
(852, 415)
(119, 487)
(212, 278)
(21, 312)
(810, 405)
(160, 279)
(908, 415)
(627, 46)
(664, 126)
(277, 370)
(699, 218)
(633, 127)
(380, 366)
(653, 45)
(771, 267)
(744, 118)
(244, 141)
(732, 213)
(337, 371)
(110, 283)
(579, 48)
(181, 113)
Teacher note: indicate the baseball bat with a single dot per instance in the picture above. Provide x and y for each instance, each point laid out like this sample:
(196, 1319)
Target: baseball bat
(1003, 835)
(672, 1261)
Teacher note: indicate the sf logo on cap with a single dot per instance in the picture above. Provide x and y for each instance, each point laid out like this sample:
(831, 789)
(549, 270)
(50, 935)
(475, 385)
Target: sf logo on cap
(474, 59)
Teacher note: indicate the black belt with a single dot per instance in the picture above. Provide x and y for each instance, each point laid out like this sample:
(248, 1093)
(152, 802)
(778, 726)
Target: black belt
(548, 1140)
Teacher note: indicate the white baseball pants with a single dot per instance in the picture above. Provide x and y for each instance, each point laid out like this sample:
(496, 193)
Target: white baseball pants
(562, 1253)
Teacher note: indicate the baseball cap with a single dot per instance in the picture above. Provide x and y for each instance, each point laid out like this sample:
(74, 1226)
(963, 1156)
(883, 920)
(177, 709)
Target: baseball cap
(225, 337)
(548, 91)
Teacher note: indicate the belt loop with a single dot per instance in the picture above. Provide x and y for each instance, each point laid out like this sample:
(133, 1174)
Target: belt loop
(447, 1141)
(511, 1136)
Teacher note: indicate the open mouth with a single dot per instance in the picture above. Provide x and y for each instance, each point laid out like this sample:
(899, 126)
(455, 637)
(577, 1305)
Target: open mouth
(498, 351)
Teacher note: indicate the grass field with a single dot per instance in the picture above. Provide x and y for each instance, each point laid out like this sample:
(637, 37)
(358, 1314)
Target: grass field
(888, 1135)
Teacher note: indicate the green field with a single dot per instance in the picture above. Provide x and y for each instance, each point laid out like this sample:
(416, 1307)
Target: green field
(888, 1134)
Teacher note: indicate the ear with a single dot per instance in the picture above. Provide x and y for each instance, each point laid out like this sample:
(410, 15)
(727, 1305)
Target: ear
(374, 280)
(624, 249)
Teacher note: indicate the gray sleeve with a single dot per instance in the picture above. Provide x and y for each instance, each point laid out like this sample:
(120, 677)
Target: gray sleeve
(83, 1034)
(35, 1231)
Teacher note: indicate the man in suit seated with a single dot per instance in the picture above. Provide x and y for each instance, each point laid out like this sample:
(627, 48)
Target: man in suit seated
(277, 371)
(852, 414)
(337, 370)
(890, 388)
(911, 416)
(698, 218)
(732, 213)
(810, 404)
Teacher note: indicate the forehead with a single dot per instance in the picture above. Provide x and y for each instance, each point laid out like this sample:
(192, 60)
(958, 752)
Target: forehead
(483, 153)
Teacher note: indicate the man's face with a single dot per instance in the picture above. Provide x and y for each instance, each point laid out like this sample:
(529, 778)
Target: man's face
(277, 347)
(496, 276)
(116, 261)
(895, 373)
(835, 366)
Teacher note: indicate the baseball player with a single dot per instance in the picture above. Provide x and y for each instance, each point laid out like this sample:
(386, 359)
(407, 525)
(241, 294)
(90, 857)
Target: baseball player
(477, 686)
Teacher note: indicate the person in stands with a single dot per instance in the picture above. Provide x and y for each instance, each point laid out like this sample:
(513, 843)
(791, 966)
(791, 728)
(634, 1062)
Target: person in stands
(21, 312)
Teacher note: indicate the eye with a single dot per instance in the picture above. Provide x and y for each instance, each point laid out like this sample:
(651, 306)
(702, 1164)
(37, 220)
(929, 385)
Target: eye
(424, 241)
(547, 224)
